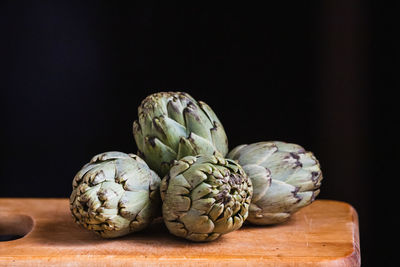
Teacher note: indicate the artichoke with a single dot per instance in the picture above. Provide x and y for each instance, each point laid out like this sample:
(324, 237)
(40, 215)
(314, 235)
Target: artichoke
(173, 125)
(285, 177)
(115, 194)
(204, 197)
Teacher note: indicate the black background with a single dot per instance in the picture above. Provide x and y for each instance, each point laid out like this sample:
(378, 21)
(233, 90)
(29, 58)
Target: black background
(320, 74)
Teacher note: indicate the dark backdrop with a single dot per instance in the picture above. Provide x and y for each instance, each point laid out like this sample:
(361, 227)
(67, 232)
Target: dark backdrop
(317, 74)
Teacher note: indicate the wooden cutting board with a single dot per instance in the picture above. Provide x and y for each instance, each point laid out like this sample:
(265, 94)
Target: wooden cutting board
(322, 234)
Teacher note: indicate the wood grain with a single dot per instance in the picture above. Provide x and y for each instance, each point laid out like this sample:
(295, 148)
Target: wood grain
(322, 234)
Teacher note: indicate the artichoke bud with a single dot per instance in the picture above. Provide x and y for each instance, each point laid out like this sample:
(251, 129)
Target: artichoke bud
(115, 194)
(204, 197)
(173, 125)
(285, 177)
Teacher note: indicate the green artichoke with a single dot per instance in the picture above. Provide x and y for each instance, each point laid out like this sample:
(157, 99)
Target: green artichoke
(205, 197)
(173, 125)
(115, 194)
(285, 177)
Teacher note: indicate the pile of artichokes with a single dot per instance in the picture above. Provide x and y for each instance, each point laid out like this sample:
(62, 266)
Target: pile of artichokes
(183, 172)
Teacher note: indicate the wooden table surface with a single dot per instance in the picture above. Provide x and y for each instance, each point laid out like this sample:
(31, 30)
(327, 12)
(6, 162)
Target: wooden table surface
(322, 234)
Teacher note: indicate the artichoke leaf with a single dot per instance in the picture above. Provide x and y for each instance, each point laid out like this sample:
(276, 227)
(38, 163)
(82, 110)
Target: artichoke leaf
(304, 180)
(194, 221)
(197, 122)
(99, 173)
(216, 211)
(110, 194)
(157, 152)
(201, 145)
(256, 153)
(280, 196)
(209, 112)
(305, 199)
(203, 205)
(109, 155)
(283, 165)
(185, 148)
(198, 237)
(260, 178)
(138, 136)
(172, 131)
(235, 153)
(289, 147)
(178, 228)
(219, 138)
(195, 175)
(141, 219)
(178, 167)
(175, 111)
(200, 191)
(132, 203)
(224, 225)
